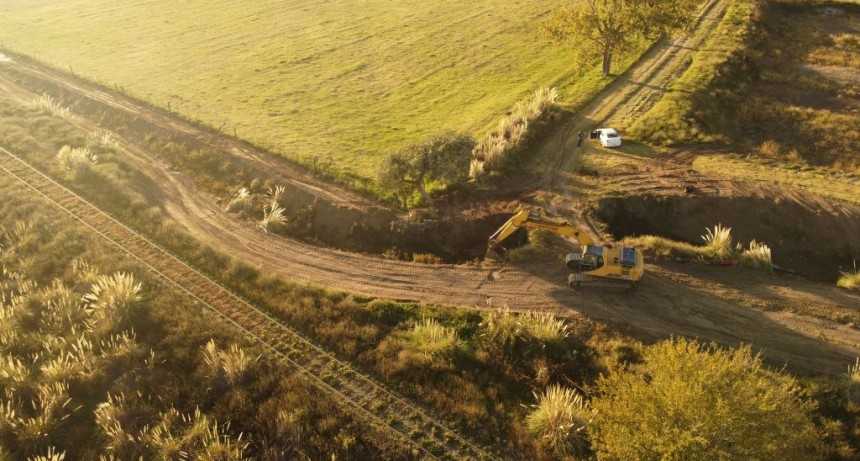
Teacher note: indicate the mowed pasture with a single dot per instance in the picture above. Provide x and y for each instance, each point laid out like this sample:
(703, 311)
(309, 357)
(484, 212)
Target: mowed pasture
(345, 80)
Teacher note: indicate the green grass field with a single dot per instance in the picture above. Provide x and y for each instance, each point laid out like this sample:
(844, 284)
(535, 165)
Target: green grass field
(347, 79)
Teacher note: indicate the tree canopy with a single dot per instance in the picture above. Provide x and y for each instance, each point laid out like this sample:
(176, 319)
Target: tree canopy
(690, 401)
(610, 27)
(443, 158)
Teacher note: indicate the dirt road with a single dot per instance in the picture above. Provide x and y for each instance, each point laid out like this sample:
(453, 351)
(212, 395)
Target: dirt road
(669, 301)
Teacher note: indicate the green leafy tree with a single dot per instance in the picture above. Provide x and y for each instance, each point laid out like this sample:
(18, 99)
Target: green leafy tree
(443, 158)
(691, 401)
(610, 27)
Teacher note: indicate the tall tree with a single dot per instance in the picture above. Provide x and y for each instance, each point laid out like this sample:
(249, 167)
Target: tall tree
(610, 27)
(688, 400)
(443, 158)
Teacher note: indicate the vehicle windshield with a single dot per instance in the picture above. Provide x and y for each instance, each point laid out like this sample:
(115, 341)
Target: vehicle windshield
(611, 135)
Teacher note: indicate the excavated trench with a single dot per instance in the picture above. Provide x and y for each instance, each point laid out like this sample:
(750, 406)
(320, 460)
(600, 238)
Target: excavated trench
(311, 214)
(814, 241)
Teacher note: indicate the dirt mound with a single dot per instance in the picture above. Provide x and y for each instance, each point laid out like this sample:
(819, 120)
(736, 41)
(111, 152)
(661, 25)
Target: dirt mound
(813, 240)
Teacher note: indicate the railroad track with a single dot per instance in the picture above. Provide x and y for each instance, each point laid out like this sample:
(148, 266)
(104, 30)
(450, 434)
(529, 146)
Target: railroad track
(385, 411)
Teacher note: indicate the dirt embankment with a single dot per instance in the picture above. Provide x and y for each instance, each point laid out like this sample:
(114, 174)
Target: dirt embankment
(812, 237)
(326, 213)
(316, 211)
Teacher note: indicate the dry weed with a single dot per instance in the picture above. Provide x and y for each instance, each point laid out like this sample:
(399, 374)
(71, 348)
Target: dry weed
(718, 244)
(47, 104)
(560, 420)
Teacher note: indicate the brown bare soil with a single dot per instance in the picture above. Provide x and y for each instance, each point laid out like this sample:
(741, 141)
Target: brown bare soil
(807, 326)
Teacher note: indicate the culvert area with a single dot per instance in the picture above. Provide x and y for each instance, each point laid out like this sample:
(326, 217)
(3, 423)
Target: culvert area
(816, 240)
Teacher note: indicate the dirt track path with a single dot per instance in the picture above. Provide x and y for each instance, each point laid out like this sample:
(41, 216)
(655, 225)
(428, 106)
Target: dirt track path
(634, 92)
(665, 304)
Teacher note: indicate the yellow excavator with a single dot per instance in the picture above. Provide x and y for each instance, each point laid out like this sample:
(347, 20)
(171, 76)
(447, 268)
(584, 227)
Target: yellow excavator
(594, 265)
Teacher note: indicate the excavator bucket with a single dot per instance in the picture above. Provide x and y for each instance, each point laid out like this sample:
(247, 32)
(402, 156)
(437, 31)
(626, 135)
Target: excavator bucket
(497, 252)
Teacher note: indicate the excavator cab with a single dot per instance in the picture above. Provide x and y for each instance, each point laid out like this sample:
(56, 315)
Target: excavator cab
(592, 259)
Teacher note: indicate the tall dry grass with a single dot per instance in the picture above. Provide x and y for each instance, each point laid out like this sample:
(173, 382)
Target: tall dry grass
(118, 291)
(505, 328)
(273, 215)
(757, 256)
(502, 327)
(431, 339)
(74, 158)
(560, 421)
(242, 201)
(850, 384)
(192, 436)
(47, 104)
(849, 279)
(51, 455)
(544, 327)
(227, 366)
(492, 150)
(106, 139)
(718, 243)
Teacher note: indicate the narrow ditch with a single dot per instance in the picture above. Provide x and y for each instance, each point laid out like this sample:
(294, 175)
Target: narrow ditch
(814, 242)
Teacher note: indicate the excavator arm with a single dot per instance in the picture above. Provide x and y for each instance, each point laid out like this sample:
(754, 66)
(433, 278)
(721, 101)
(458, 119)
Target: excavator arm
(535, 220)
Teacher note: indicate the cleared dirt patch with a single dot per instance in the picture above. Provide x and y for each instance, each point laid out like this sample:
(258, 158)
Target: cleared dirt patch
(813, 241)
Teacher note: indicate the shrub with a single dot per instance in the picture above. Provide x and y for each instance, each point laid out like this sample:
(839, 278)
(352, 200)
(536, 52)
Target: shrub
(718, 244)
(850, 384)
(426, 258)
(757, 256)
(544, 327)
(849, 279)
(770, 149)
(664, 248)
(47, 104)
(691, 401)
(560, 420)
(241, 201)
(72, 159)
(273, 215)
(502, 328)
(431, 339)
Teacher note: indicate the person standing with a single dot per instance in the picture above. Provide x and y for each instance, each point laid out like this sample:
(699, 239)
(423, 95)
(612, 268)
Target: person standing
(579, 138)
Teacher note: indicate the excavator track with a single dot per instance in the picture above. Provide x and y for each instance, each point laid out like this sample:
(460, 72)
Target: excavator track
(385, 412)
(579, 280)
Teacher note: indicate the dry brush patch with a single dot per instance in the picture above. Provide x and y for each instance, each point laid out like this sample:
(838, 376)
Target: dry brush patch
(776, 90)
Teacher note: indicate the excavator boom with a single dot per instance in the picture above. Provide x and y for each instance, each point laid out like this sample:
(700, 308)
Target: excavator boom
(534, 220)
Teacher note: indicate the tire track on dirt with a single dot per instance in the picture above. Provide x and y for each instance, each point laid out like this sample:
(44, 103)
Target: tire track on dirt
(662, 306)
(635, 91)
(386, 412)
